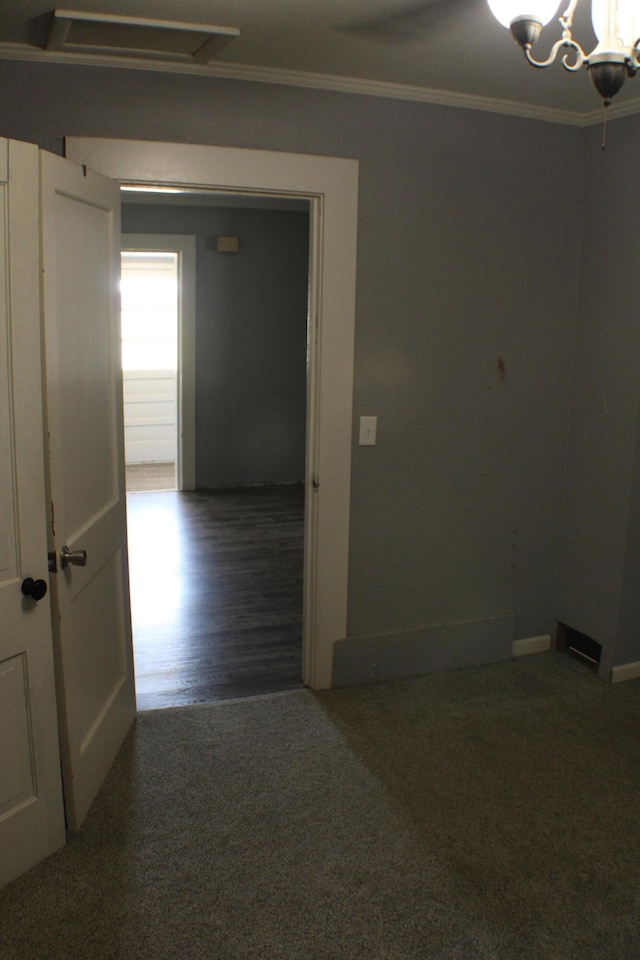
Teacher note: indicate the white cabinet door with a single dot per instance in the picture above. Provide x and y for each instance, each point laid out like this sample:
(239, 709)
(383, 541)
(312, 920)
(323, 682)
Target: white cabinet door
(31, 811)
(92, 626)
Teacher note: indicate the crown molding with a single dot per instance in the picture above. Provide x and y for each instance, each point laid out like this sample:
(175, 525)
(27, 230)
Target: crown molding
(627, 108)
(320, 81)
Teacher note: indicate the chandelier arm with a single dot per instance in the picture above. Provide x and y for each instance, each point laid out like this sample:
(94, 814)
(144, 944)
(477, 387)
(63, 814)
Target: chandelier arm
(579, 54)
(565, 42)
(567, 17)
(566, 22)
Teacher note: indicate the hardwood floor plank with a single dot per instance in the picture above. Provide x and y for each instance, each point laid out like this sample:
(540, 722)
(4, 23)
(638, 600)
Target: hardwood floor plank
(141, 477)
(216, 588)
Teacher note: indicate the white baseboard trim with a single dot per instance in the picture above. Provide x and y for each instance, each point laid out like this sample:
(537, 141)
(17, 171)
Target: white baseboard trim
(625, 671)
(521, 648)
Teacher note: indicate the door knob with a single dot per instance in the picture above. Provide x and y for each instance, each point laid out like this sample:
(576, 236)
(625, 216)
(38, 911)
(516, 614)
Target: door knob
(35, 589)
(76, 557)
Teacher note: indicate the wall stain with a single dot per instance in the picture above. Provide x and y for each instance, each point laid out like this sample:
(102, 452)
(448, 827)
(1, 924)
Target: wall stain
(502, 372)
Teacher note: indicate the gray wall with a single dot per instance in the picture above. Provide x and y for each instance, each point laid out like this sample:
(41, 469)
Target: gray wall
(465, 327)
(251, 339)
(599, 584)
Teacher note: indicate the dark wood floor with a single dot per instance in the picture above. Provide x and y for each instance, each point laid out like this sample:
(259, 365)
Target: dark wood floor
(216, 593)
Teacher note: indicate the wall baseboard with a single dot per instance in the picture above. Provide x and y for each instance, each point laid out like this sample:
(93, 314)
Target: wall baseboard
(521, 648)
(625, 671)
(423, 650)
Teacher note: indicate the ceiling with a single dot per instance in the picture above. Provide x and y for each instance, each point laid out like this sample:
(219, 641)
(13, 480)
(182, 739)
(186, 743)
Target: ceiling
(448, 51)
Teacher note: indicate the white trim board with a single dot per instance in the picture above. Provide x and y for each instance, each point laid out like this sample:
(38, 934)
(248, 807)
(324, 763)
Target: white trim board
(331, 186)
(331, 82)
(625, 671)
(522, 648)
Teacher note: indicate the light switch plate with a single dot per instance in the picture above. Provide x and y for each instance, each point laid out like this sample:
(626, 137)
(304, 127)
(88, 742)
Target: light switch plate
(368, 430)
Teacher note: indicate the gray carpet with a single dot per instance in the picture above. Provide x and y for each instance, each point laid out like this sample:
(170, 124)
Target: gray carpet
(491, 813)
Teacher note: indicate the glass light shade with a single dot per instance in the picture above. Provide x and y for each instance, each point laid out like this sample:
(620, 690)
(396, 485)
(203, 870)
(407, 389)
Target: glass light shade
(616, 23)
(507, 10)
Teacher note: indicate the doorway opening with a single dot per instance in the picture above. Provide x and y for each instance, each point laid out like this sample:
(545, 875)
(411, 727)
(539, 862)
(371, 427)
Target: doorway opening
(239, 534)
(330, 185)
(149, 325)
(158, 354)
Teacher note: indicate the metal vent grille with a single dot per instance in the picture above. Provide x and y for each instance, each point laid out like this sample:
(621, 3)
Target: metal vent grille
(579, 645)
(73, 31)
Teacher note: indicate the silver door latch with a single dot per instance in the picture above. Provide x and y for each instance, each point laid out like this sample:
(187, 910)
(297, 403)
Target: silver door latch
(76, 557)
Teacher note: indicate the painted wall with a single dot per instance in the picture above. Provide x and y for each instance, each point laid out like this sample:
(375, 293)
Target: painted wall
(599, 585)
(466, 308)
(251, 339)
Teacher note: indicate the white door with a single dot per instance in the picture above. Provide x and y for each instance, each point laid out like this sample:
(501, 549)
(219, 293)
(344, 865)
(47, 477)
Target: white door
(31, 811)
(90, 593)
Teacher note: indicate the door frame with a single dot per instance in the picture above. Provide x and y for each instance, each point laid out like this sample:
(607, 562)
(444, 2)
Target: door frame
(185, 246)
(331, 186)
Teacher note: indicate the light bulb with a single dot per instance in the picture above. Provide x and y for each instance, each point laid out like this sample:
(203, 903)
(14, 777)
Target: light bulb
(507, 10)
(616, 23)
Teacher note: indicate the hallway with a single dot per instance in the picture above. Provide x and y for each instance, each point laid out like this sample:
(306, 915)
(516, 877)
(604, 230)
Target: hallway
(216, 593)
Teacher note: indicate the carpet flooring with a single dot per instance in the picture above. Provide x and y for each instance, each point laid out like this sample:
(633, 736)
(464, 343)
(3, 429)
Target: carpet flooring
(484, 814)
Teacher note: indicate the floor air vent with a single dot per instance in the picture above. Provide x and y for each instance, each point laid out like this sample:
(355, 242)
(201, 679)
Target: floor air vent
(579, 645)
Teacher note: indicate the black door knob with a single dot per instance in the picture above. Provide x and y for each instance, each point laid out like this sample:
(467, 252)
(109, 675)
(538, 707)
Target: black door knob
(35, 589)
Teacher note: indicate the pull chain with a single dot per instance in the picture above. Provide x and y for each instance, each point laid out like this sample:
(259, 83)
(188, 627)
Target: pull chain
(605, 104)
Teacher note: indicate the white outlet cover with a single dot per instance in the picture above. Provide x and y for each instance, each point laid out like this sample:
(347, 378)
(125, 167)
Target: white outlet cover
(368, 431)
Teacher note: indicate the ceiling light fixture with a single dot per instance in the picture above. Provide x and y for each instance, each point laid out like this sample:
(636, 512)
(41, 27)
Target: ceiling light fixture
(616, 24)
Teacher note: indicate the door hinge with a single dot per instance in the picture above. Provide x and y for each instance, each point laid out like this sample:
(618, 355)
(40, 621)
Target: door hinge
(315, 483)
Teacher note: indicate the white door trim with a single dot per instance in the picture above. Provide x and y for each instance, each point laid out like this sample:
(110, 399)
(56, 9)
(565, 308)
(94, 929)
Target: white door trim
(331, 185)
(185, 246)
